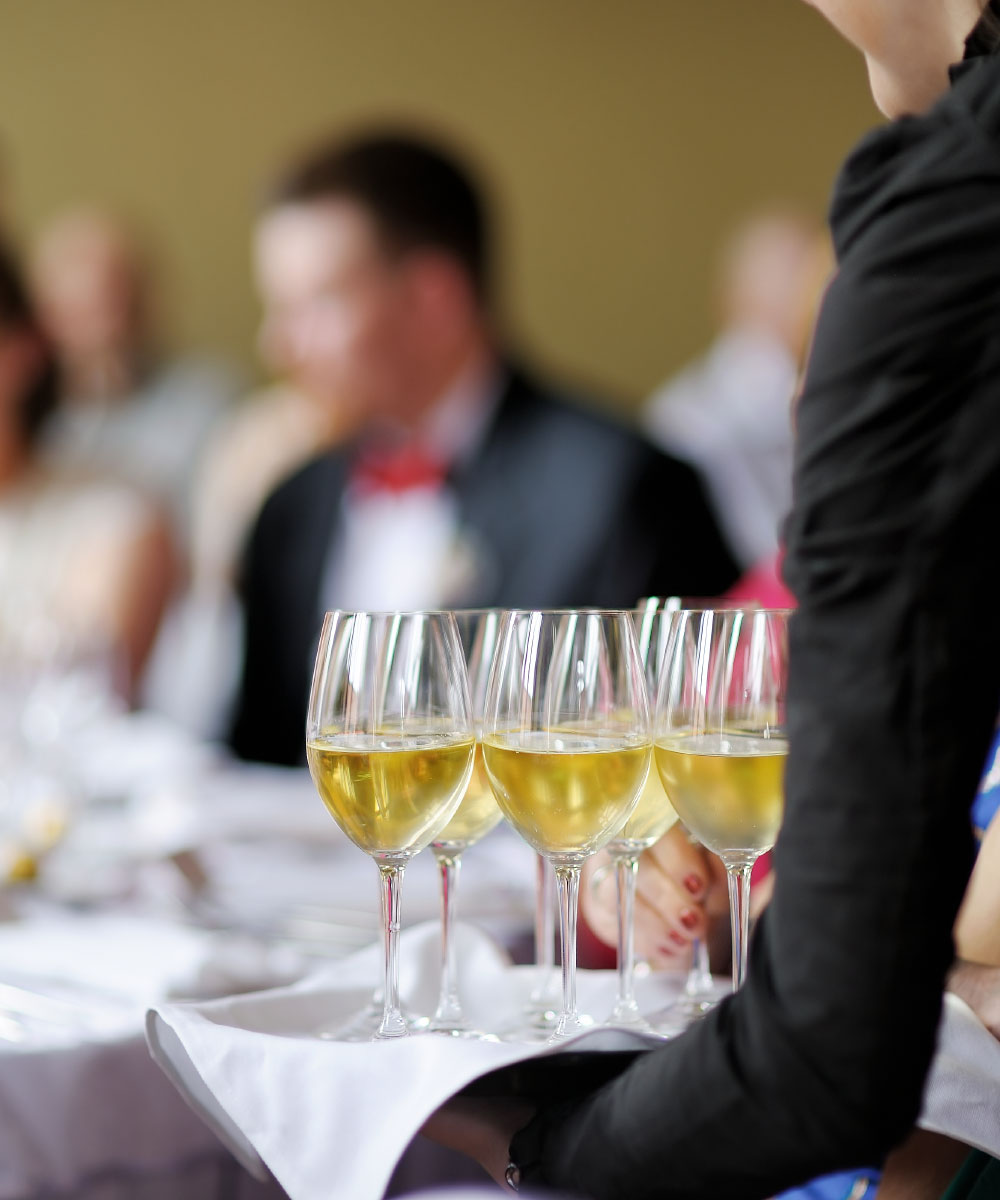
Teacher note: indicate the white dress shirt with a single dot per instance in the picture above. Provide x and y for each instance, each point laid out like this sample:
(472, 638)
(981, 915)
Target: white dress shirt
(406, 550)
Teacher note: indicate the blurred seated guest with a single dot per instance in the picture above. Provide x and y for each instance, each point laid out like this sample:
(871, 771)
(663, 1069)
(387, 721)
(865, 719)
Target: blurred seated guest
(468, 481)
(130, 409)
(728, 413)
(84, 564)
(272, 432)
(261, 442)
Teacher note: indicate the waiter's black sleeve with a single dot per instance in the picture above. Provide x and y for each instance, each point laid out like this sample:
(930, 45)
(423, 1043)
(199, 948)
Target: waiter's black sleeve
(894, 557)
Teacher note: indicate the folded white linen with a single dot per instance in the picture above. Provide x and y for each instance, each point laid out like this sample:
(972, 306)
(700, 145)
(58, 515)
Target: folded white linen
(332, 1118)
(962, 1095)
(122, 752)
(136, 960)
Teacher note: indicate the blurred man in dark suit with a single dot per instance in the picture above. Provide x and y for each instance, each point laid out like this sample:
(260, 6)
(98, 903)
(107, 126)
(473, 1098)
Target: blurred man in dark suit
(468, 482)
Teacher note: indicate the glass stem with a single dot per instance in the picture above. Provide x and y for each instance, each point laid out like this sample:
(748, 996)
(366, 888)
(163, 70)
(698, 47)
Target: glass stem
(568, 886)
(738, 877)
(539, 1001)
(392, 1024)
(699, 980)
(626, 872)
(544, 924)
(449, 1009)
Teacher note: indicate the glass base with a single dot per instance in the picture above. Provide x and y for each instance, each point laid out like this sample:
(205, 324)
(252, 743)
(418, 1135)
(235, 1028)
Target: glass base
(364, 1026)
(390, 1033)
(464, 1032)
(535, 1025)
(628, 1016)
(570, 1027)
(673, 1020)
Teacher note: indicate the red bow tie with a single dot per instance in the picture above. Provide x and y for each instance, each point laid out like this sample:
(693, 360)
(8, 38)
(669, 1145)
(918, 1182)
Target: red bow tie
(395, 471)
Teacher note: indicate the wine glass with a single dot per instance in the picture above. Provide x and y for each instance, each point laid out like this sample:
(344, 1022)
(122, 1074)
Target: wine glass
(698, 994)
(700, 991)
(390, 743)
(652, 816)
(566, 744)
(473, 819)
(720, 740)
(540, 1014)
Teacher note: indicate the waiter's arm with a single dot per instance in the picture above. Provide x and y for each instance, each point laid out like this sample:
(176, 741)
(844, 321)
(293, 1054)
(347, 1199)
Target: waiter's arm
(819, 1062)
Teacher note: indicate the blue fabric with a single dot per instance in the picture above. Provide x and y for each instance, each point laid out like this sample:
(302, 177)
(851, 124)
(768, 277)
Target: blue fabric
(987, 800)
(845, 1185)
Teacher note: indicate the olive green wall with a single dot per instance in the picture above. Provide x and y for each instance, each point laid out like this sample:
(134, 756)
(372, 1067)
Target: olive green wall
(624, 137)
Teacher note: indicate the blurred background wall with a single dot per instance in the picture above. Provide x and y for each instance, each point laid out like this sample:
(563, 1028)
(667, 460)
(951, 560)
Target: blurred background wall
(623, 137)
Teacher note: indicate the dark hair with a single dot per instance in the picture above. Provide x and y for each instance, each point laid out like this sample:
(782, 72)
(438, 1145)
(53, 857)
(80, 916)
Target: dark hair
(17, 312)
(985, 37)
(418, 193)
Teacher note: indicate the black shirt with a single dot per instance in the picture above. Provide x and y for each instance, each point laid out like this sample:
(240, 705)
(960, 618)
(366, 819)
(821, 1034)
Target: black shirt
(894, 688)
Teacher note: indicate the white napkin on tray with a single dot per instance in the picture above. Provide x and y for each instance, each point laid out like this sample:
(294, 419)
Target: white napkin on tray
(333, 1118)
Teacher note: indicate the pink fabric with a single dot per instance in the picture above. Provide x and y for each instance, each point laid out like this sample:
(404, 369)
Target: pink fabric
(762, 585)
(761, 868)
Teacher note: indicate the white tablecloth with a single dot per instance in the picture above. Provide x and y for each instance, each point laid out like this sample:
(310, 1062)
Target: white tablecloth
(197, 879)
(126, 916)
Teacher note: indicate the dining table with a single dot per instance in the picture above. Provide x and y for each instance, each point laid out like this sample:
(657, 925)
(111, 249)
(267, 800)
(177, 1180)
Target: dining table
(178, 875)
(174, 960)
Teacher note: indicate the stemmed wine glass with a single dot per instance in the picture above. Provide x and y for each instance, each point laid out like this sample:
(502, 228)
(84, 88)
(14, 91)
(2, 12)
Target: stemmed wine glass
(566, 744)
(473, 819)
(390, 743)
(649, 821)
(721, 743)
(540, 1011)
(700, 991)
(698, 994)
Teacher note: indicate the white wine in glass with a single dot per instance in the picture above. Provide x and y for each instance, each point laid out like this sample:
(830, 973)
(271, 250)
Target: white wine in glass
(652, 816)
(700, 993)
(728, 786)
(390, 743)
(566, 745)
(720, 740)
(565, 793)
(475, 817)
(387, 794)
